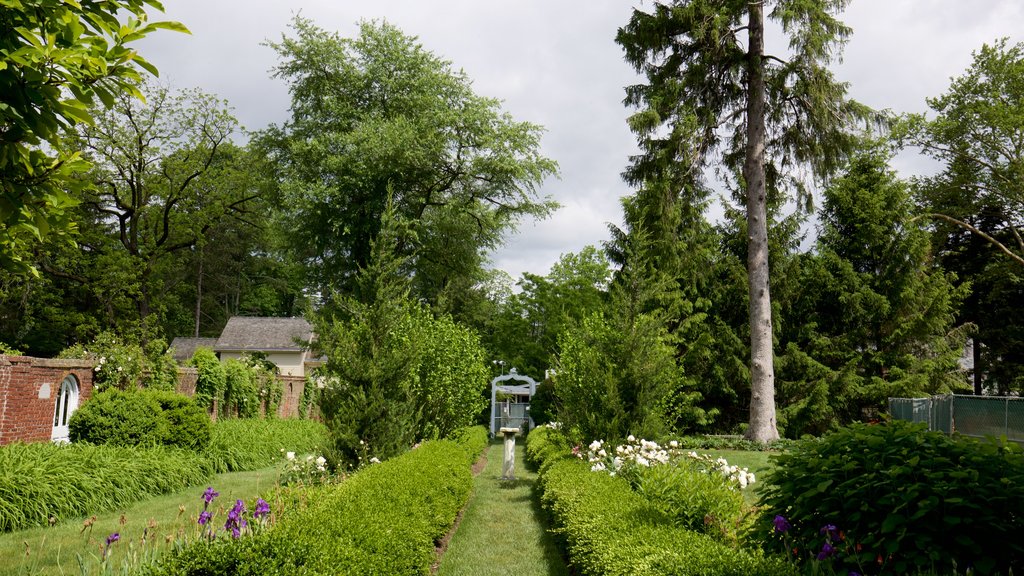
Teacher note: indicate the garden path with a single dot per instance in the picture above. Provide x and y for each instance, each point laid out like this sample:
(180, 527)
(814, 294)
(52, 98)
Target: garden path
(503, 529)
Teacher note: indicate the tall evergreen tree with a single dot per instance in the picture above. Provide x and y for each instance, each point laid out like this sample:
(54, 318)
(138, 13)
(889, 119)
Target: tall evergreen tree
(875, 313)
(715, 97)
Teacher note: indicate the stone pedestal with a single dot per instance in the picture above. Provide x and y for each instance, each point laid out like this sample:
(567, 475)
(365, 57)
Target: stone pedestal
(508, 466)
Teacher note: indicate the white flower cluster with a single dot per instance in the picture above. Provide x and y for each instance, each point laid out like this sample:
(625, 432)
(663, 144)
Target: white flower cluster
(305, 470)
(741, 476)
(553, 425)
(647, 453)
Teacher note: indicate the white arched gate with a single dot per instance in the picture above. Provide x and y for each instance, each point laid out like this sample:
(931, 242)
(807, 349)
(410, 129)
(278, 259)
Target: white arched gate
(67, 403)
(514, 410)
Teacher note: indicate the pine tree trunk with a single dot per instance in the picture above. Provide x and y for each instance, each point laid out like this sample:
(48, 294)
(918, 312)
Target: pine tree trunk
(762, 372)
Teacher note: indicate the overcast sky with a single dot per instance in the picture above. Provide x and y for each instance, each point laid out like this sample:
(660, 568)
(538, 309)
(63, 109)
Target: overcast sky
(555, 63)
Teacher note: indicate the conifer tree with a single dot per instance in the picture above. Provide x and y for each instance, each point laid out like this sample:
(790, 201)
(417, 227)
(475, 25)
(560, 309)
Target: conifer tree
(714, 97)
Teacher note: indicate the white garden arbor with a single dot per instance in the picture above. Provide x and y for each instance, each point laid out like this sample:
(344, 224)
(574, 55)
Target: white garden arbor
(513, 410)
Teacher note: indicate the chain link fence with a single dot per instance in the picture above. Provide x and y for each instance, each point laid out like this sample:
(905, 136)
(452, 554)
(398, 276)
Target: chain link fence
(976, 416)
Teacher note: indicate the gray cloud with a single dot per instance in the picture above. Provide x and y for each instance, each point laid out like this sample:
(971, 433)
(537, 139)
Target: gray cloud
(555, 63)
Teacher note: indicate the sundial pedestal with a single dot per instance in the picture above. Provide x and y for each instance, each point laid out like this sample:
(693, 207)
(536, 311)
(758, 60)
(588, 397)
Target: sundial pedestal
(508, 465)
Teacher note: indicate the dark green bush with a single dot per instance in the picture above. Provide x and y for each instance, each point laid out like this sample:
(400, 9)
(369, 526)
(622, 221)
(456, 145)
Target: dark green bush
(43, 480)
(141, 418)
(903, 500)
(119, 418)
(384, 519)
(188, 425)
(610, 529)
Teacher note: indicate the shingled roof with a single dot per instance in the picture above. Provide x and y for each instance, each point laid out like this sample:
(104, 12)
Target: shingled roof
(266, 334)
(183, 348)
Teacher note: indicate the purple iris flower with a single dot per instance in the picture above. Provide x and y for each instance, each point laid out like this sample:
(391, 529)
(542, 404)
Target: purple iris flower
(113, 538)
(830, 531)
(262, 508)
(204, 517)
(781, 524)
(826, 551)
(210, 494)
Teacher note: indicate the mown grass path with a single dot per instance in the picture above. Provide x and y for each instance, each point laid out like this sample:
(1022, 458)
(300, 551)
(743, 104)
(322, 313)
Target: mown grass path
(503, 530)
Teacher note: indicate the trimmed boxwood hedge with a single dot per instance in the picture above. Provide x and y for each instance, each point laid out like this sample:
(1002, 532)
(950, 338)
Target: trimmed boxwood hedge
(608, 529)
(385, 519)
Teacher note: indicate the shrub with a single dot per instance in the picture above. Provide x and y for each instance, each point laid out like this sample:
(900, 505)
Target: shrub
(43, 481)
(141, 418)
(188, 425)
(248, 444)
(544, 446)
(382, 520)
(119, 418)
(610, 529)
(241, 393)
(693, 498)
(899, 499)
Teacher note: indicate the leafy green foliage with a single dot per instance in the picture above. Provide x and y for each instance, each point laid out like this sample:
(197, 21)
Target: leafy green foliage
(453, 376)
(617, 372)
(378, 111)
(57, 57)
(125, 364)
(249, 386)
(976, 205)
(396, 373)
(141, 418)
(251, 444)
(610, 529)
(384, 519)
(692, 497)
(42, 481)
(523, 330)
(212, 377)
(917, 500)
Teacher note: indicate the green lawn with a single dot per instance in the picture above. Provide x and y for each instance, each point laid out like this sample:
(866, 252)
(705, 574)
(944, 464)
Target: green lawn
(503, 529)
(55, 550)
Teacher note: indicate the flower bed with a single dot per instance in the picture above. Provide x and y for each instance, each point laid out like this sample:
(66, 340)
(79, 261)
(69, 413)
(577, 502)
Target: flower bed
(608, 528)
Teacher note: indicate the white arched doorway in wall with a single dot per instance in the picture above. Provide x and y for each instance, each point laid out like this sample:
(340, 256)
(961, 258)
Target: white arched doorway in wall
(67, 403)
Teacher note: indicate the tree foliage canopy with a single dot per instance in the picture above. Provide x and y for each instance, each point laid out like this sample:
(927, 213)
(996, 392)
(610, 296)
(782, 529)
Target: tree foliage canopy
(379, 110)
(58, 58)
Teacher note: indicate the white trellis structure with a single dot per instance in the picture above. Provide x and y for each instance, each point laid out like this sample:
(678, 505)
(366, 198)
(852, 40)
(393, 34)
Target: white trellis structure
(514, 411)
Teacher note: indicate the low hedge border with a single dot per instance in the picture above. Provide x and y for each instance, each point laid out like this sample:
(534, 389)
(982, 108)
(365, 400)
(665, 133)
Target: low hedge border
(385, 519)
(43, 481)
(608, 529)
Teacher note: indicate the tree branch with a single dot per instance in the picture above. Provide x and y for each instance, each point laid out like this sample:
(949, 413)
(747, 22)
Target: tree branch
(977, 231)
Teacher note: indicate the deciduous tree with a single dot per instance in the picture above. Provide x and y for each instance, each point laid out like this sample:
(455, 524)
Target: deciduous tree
(57, 58)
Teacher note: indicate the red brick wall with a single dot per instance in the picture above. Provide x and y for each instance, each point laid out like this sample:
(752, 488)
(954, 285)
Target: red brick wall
(187, 378)
(291, 396)
(24, 416)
